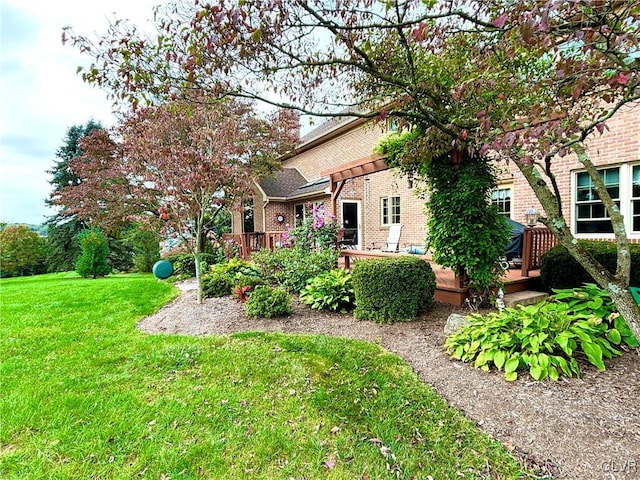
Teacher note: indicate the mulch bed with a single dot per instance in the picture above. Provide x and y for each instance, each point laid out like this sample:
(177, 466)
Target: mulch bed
(586, 428)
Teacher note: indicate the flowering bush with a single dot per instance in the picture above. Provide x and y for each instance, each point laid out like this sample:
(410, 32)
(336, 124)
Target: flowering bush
(318, 231)
(231, 249)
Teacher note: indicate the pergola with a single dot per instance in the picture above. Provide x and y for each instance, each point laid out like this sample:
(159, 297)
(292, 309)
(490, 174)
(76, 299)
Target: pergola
(340, 174)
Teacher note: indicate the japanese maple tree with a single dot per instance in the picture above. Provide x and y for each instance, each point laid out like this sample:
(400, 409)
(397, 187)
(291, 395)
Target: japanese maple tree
(175, 165)
(528, 81)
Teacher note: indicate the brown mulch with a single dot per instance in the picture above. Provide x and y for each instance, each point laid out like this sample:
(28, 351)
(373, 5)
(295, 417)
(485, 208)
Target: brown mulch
(586, 428)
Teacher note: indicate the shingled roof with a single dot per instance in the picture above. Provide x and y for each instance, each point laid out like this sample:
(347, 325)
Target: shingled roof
(289, 183)
(285, 181)
(319, 185)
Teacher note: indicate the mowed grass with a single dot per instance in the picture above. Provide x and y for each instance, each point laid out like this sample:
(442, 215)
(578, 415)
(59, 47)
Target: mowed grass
(85, 395)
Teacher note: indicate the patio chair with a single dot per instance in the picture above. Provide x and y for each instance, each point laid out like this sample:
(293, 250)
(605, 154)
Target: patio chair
(349, 240)
(393, 239)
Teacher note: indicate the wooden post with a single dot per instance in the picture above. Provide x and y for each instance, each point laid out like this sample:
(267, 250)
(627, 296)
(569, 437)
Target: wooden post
(527, 251)
(336, 189)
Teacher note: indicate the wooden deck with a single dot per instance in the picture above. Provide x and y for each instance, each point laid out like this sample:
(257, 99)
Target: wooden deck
(449, 287)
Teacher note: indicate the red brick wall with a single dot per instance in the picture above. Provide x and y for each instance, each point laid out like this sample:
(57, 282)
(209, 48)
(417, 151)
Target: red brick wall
(619, 145)
(385, 184)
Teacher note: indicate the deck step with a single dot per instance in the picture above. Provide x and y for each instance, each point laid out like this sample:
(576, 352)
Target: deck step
(525, 297)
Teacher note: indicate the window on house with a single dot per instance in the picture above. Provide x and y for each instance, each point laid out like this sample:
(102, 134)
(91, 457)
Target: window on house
(501, 197)
(591, 216)
(247, 218)
(390, 210)
(301, 211)
(635, 199)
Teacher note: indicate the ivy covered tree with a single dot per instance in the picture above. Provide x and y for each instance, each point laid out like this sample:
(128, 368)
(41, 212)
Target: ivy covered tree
(528, 81)
(464, 230)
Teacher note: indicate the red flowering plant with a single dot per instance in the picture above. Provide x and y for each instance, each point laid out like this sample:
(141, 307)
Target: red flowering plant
(241, 293)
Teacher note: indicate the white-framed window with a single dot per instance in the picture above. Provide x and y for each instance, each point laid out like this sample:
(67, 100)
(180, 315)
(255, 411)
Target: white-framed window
(390, 208)
(301, 211)
(501, 197)
(635, 198)
(623, 184)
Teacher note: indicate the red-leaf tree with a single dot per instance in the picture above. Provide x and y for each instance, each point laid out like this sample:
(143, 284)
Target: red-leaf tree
(528, 81)
(176, 165)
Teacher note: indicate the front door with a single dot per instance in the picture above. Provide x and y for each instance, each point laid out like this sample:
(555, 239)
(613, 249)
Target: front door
(351, 222)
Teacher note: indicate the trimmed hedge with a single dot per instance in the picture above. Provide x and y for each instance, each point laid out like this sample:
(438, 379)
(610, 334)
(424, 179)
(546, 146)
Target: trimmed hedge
(388, 289)
(266, 301)
(560, 270)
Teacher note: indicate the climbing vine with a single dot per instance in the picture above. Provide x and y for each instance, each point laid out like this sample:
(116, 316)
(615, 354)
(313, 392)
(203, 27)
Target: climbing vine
(464, 228)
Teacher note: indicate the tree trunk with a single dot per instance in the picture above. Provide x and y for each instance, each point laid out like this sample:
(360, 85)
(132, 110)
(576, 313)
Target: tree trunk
(198, 247)
(196, 256)
(616, 285)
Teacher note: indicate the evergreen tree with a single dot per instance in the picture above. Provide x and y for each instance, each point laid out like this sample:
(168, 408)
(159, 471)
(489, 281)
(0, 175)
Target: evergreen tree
(94, 247)
(64, 227)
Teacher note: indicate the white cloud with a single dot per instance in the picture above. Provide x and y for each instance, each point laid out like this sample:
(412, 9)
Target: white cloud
(41, 94)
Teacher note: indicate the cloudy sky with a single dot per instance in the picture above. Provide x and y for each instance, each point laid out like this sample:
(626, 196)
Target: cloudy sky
(41, 94)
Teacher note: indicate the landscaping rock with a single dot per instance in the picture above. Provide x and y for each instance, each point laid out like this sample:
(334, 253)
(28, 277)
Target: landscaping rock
(454, 323)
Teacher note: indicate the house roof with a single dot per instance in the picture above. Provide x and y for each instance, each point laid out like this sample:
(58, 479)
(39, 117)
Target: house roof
(285, 182)
(314, 187)
(289, 184)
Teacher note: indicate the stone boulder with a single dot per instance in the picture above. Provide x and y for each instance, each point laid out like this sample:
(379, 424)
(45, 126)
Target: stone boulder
(454, 323)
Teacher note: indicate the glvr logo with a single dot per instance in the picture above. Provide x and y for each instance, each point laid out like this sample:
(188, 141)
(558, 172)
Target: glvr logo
(620, 466)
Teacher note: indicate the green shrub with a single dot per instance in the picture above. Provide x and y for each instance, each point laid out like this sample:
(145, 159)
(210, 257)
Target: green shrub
(221, 277)
(292, 267)
(244, 280)
(332, 290)
(244, 284)
(389, 289)
(94, 248)
(266, 301)
(560, 270)
(216, 284)
(543, 338)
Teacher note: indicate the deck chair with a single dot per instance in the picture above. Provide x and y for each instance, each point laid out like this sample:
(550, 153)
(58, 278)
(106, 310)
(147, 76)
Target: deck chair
(393, 239)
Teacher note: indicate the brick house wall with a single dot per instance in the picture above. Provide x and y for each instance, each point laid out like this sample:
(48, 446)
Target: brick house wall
(356, 143)
(387, 184)
(355, 140)
(618, 146)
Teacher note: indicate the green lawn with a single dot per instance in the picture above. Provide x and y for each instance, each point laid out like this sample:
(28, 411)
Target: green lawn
(85, 395)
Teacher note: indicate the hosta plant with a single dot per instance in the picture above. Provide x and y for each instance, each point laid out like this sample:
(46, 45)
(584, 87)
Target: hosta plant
(592, 301)
(543, 339)
(332, 290)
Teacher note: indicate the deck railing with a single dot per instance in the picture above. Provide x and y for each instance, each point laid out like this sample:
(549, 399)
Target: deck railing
(535, 242)
(249, 243)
